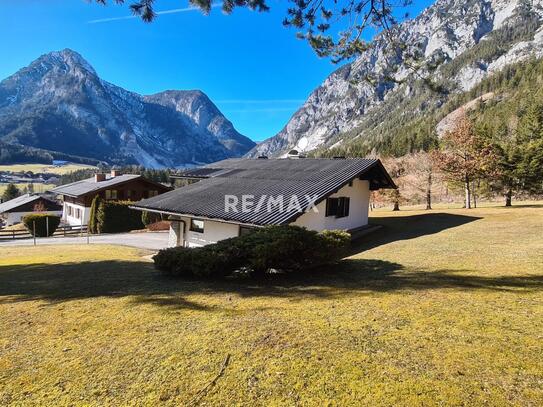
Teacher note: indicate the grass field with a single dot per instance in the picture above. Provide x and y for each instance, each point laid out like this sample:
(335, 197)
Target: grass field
(45, 168)
(437, 308)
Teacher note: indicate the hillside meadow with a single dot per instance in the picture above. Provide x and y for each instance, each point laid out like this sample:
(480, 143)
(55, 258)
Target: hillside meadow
(437, 308)
(45, 168)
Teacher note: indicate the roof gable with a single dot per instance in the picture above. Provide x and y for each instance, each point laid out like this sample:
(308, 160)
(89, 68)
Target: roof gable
(23, 200)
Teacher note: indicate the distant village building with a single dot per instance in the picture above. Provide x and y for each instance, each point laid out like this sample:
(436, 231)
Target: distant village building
(235, 195)
(78, 196)
(13, 211)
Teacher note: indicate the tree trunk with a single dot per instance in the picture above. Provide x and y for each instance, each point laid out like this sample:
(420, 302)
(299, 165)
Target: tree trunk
(429, 192)
(508, 197)
(396, 200)
(468, 192)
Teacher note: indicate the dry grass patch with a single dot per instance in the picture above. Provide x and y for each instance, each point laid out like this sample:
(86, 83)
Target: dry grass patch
(45, 168)
(436, 308)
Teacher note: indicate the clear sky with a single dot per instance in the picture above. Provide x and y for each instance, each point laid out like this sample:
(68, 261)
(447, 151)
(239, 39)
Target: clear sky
(253, 68)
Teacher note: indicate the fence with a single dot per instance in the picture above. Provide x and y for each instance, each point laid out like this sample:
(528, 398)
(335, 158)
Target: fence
(61, 231)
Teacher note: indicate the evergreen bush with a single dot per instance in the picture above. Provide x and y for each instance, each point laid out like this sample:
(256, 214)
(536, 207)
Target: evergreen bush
(44, 223)
(281, 248)
(117, 217)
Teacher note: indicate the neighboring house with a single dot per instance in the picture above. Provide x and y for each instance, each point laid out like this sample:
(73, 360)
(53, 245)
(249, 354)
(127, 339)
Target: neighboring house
(78, 196)
(14, 210)
(269, 192)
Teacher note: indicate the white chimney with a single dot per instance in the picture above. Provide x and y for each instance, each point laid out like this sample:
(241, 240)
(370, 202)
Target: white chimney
(115, 173)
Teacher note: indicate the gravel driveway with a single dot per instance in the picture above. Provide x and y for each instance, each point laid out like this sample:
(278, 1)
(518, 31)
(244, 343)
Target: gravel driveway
(146, 240)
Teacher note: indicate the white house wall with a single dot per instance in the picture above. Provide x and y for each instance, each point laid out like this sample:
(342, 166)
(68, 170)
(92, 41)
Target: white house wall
(72, 220)
(359, 195)
(213, 232)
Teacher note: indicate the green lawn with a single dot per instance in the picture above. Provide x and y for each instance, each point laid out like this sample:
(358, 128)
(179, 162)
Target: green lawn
(437, 308)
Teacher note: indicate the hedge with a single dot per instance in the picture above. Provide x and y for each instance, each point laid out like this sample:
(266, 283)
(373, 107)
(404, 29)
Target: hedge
(93, 222)
(148, 218)
(41, 220)
(117, 217)
(282, 248)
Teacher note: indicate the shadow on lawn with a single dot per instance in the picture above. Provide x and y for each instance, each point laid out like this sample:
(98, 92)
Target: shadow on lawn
(69, 281)
(64, 282)
(408, 227)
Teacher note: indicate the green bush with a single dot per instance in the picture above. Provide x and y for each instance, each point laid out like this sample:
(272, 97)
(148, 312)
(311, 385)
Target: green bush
(41, 221)
(148, 218)
(282, 248)
(93, 221)
(117, 217)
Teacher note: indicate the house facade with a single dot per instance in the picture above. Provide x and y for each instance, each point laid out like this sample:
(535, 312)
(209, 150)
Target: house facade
(12, 212)
(77, 197)
(233, 196)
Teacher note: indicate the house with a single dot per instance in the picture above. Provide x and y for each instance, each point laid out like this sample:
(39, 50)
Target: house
(232, 196)
(78, 196)
(13, 211)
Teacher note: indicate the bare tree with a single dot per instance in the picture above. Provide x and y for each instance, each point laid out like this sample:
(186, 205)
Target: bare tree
(464, 156)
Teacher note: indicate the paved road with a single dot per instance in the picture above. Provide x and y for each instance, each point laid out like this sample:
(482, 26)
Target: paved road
(147, 240)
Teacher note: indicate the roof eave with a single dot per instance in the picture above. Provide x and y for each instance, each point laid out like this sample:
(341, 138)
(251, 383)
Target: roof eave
(193, 215)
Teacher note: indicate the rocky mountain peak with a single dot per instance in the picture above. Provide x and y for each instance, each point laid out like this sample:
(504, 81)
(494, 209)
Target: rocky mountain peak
(470, 39)
(59, 103)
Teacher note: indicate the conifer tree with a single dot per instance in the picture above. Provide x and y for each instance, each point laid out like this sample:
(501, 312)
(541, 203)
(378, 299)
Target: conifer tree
(11, 192)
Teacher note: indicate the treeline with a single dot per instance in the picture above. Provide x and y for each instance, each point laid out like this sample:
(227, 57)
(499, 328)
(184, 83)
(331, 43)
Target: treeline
(19, 154)
(157, 175)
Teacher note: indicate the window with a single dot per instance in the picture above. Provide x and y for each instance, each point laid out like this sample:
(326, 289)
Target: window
(197, 225)
(70, 211)
(153, 193)
(338, 207)
(77, 213)
(111, 194)
(128, 194)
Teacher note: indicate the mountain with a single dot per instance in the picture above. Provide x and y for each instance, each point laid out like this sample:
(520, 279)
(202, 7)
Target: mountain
(378, 100)
(59, 104)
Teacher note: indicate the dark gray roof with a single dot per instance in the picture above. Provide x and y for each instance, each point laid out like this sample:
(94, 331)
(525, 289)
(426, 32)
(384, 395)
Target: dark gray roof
(258, 177)
(88, 185)
(20, 201)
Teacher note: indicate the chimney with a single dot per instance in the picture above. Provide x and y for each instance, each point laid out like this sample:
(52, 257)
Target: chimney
(99, 177)
(115, 173)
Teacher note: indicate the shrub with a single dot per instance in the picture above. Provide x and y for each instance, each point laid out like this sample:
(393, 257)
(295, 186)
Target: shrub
(41, 221)
(93, 222)
(284, 248)
(117, 217)
(148, 218)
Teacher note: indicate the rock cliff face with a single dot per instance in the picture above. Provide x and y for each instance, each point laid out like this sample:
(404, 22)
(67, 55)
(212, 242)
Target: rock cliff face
(58, 103)
(470, 39)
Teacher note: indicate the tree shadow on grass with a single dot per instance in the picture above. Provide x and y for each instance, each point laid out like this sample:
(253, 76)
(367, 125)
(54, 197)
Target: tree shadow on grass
(138, 280)
(406, 227)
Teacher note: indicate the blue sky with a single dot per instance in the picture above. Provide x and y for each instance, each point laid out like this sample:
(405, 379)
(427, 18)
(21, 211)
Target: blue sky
(255, 70)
